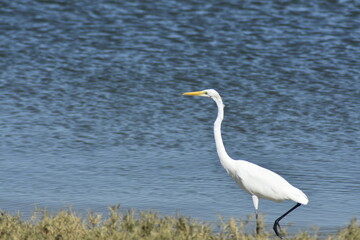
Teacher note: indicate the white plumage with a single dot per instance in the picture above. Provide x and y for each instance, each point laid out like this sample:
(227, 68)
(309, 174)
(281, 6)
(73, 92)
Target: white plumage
(264, 183)
(259, 182)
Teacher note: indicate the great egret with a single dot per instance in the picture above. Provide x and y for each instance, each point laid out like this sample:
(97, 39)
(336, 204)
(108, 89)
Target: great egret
(259, 182)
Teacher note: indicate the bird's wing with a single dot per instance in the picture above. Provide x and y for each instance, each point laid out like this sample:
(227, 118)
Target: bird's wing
(266, 184)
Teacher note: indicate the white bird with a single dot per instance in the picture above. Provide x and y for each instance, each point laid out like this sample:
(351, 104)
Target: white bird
(259, 182)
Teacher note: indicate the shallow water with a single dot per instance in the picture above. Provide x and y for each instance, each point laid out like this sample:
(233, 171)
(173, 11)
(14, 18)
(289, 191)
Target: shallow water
(92, 113)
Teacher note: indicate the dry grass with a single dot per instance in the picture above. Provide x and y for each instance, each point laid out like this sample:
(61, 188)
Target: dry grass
(66, 224)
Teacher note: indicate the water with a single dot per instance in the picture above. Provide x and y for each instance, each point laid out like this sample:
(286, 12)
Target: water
(92, 113)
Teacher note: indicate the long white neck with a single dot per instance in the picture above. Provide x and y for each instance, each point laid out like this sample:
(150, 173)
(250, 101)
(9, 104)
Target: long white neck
(225, 160)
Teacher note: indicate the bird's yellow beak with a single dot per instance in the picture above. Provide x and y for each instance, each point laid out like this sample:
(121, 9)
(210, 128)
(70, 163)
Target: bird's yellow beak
(197, 93)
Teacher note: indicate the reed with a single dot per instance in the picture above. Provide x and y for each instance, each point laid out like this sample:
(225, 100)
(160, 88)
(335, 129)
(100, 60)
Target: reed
(148, 225)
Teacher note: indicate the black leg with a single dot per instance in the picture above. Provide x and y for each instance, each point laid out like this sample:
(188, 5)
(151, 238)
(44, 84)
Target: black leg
(276, 226)
(257, 224)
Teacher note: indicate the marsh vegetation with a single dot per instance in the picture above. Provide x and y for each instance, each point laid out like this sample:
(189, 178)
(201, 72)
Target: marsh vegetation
(132, 224)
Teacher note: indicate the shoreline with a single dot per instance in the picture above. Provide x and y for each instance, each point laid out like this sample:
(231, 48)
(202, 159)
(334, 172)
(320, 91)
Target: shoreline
(135, 224)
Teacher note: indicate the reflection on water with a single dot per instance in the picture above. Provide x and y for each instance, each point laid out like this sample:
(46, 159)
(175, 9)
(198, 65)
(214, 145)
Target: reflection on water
(92, 113)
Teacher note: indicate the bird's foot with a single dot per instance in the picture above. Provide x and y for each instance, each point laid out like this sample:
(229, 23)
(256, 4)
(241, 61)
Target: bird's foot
(277, 229)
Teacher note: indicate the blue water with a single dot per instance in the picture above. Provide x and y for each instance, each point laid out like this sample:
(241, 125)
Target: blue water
(92, 113)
